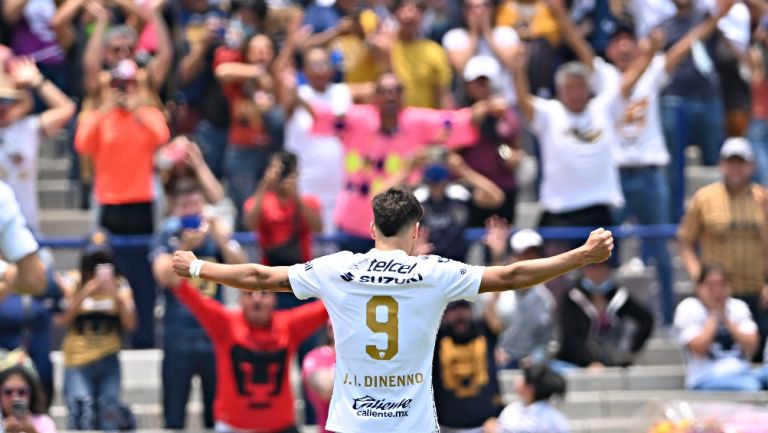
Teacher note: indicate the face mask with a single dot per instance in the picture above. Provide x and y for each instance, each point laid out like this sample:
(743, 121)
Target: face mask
(598, 289)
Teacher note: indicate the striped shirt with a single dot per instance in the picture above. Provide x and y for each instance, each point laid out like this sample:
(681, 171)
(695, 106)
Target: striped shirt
(728, 229)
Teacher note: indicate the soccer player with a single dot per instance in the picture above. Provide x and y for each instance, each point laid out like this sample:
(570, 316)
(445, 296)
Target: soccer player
(385, 307)
(22, 271)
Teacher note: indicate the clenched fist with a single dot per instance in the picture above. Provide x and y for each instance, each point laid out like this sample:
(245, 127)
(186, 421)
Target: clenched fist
(598, 247)
(181, 262)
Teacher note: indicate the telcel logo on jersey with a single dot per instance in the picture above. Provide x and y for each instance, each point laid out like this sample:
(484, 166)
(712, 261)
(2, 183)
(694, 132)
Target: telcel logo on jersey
(380, 408)
(390, 266)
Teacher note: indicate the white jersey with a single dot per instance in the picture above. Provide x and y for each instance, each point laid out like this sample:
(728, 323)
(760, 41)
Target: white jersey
(385, 308)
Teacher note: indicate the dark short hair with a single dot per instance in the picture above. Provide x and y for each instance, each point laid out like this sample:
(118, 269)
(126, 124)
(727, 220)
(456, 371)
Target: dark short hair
(711, 268)
(395, 209)
(37, 398)
(185, 185)
(258, 7)
(289, 161)
(545, 381)
(397, 4)
(624, 28)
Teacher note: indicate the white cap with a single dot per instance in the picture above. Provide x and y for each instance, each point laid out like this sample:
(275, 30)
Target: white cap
(524, 239)
(482, 66)
(739, 147)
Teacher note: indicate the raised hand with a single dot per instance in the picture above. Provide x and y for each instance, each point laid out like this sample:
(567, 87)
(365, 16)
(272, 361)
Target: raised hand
(181, 262)
(599, 246)
(24, 72)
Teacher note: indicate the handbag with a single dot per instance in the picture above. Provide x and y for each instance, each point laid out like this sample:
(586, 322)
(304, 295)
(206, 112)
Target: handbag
(289, 252)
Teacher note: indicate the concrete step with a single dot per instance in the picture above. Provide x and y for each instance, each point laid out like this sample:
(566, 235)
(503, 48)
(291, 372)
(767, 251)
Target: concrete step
(53, 168)
(636, 378)
(610, 425)
(57, 194)
(697, 176)
(65, 222)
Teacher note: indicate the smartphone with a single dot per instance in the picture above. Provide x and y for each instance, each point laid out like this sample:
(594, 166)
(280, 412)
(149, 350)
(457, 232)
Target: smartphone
(191, 222)
(105, 271)
(436, 154)
(19, 409)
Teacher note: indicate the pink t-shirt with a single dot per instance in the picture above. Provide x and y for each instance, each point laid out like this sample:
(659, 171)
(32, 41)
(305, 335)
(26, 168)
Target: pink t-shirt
(372, 156)
(318, 359)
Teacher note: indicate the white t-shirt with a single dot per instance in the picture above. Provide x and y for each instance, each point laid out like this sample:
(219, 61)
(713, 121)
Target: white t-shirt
(539, 417)
(16, 241)
(320, 157)
(725, 356)
(639, 127)
(504, 36)
(19, 145)
(578, 153)
(385, 308)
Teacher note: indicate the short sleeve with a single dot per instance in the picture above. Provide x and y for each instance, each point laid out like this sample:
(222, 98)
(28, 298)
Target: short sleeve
(742, 317)
(456, 39)
(605, 76)
(658, 72)
(308, 279)
(16, 240)
(458, 280)
(689, 320)
(691, 225)
(505, 36)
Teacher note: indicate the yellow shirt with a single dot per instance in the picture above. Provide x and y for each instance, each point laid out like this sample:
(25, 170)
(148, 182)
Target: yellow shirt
(530, 20)
(96, 331)
(728, 230)
(423, 68)
(358, 65)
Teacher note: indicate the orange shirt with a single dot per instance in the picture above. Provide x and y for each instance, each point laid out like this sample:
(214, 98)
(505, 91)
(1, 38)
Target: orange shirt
(122, 146)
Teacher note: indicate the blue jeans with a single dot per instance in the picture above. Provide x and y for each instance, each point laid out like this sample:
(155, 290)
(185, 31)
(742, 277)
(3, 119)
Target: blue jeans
(687, 121)
(758, 136)
(762, 375)
(736, 382)
(213, 144)
(180, 364)
(646, 191)
(92, 393)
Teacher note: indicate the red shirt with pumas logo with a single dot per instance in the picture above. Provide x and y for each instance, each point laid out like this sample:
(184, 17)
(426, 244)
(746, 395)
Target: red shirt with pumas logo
(253, 391)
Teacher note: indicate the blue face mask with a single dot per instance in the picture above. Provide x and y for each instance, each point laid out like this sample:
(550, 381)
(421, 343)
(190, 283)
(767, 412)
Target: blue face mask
(598, 289)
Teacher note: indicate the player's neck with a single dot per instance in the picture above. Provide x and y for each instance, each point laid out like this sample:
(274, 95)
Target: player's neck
(393, 244)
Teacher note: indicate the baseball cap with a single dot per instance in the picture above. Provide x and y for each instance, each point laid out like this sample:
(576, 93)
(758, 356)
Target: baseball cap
(482, 66)
(525, 239)
(738, 147)
(98, 241)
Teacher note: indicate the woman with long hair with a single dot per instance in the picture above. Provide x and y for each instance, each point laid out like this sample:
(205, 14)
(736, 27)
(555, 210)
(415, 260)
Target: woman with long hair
(23, 402)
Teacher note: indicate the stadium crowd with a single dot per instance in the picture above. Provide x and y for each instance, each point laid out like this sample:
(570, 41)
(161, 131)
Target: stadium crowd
(189, 121)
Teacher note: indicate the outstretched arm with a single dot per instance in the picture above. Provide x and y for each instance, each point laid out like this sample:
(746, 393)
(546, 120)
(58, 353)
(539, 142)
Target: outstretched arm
(249, 276)
(520, 275)
(682, 48)
(571, 34)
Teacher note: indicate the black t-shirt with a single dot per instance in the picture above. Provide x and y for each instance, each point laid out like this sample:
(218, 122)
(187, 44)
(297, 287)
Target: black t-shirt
(464, 378)
(686, 80)
(446, 220)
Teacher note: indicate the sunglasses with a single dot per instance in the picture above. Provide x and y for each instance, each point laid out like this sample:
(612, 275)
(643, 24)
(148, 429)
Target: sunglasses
(121, 49)
(7, 102)
(318, 66)
(17, 392)
(393, 90)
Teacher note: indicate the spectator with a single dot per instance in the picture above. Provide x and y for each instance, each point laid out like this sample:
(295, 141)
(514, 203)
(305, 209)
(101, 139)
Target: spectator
(727, 222)
(124, 175)
(421, 64)
(599, 22)
(256, 122)
(758, 126)
(320, 158)
(762, 372)
(377, 139)
(108, 47)
(23, 132)
(330, 21)
(33, 36)
(439, 18)
(254, 349)
(527, 334)
(284, 220)
(187, 351)
(718, 335)
(642, 153)
(99, 310)
(534, 24)
(478, 37)
(595, 319)
(465, 381)
(691, 105)
(450, 188)
(21, 268)
(580, 181)
(498, 152)
(317, 372)
(182, 159)
(23, 403)
(205, 111)
(534, 413)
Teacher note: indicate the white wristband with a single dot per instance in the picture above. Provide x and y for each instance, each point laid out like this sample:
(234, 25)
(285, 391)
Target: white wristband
(195, 267)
